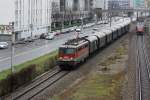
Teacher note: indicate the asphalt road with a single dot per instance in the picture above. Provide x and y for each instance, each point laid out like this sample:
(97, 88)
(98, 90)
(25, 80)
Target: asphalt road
(27, 52)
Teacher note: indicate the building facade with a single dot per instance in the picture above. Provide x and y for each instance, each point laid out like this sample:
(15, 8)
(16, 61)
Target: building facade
(139, 3)
(32, 18)
(70, 10)
(118, 4)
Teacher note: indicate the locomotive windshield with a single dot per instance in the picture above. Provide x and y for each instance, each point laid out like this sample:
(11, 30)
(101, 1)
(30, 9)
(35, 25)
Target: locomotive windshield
(67, 50)
(140, 25)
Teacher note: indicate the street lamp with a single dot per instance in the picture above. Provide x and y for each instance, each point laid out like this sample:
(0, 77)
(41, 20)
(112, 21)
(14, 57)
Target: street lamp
(12, 46)
(110, 19)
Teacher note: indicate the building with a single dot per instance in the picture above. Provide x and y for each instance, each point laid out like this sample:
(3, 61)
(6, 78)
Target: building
(98, 4)
(5, 29)
(70, 11)
(32, 18)
(74, 5)
(118, 4)
(139, 3)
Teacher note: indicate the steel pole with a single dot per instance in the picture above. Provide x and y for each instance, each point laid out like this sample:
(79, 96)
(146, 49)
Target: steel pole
(12, 47)
(110, 19)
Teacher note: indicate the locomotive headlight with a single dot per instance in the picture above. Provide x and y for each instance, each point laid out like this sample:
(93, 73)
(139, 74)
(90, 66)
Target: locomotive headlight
(71, 58)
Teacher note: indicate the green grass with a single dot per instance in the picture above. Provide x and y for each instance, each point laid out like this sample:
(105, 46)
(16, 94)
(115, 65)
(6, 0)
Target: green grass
(4, 74)
(96, 87)
(119, 52)
(39, 62)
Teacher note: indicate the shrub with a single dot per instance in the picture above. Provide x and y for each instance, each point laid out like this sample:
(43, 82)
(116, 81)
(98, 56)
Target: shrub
(26, 72)
(5, 86)
(13, 81)
(50, 63)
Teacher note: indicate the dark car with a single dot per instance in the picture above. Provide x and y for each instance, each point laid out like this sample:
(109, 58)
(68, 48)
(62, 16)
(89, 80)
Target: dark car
(29, 39)
(43, 36)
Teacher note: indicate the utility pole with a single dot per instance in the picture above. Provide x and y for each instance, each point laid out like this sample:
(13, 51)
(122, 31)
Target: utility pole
(35, 9)
(41, 12)
(20, 13)
(82, 23)
(81, 18)
(29, 17)
(104, 9)
(16, 14)
(31, 25)
(49, 14)
(63, 12)
(110, 19)
(23, 12)
(12, 46)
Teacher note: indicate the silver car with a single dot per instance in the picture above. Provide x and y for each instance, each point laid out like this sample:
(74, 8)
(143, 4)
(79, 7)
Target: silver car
(3, 45)
(50, 37)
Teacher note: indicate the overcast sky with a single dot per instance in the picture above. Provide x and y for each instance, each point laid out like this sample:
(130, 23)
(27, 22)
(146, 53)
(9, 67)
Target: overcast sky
(6, 11)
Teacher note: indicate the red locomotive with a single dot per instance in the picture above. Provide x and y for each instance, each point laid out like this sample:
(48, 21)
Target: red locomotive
(140, 29)
(73, 52)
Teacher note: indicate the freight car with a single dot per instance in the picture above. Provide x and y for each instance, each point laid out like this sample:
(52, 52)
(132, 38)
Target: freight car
(76, 51)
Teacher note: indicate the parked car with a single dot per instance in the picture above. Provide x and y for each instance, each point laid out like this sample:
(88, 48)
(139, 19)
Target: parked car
(50, 37)
(20, 41)
(95, 29)
(43, 36)
(78, 30)
(29, 39)
(3, 45)
(71, 29)
(56, 33)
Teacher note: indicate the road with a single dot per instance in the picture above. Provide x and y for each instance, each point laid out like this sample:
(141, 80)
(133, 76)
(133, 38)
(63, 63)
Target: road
(27, 52)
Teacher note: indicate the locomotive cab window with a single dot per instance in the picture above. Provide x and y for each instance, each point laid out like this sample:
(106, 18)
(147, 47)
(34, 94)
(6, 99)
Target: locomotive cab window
(67, 50)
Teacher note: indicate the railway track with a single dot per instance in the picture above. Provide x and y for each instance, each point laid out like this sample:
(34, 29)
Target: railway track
(142, 73)
(40, 85)
(146, 58)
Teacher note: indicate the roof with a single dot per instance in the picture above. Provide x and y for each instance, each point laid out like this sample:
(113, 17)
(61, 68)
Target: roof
(106, 31)
(99, 34)
(91, 38)
(74, 43)
(111, 28)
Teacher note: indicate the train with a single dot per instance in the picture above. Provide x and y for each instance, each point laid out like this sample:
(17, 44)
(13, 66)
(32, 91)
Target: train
(140, 28)
(76, 51)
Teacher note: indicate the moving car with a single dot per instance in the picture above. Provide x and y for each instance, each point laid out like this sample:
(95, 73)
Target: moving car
(3, 45)
(50, 37)
(95, 29)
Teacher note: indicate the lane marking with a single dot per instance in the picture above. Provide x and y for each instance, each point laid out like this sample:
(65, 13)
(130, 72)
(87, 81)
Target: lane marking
(23, 53)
